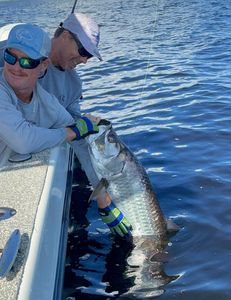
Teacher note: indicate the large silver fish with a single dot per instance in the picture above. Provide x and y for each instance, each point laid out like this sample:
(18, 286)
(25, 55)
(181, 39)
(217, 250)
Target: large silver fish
(129, 184)
(132, 192)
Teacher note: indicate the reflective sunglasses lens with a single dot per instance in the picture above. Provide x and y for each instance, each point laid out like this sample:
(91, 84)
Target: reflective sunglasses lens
(9, 58)
(28, 63)
(24, 62)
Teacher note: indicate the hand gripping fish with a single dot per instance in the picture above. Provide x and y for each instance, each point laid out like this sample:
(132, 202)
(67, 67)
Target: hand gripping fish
(123, 176)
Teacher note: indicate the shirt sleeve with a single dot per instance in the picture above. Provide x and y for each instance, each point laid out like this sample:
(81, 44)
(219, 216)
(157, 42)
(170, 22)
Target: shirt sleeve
(74, 109)
(21, 135)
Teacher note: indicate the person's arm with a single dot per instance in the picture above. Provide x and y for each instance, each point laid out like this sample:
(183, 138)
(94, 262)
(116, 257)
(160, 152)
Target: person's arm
(76, 129)
(71, 135)
(26, 138)
(23, 136)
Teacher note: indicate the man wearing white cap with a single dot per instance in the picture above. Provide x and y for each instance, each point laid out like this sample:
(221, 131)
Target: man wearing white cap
(75, 41)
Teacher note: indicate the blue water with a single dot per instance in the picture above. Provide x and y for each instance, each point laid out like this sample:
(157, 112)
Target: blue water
(165, 85)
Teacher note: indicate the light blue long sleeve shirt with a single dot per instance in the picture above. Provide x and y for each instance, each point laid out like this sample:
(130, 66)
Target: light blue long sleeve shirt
(66, 86)
(32, 127)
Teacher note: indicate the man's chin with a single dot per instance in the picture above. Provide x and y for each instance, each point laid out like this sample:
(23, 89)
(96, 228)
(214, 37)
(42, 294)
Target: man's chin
(72, 65)
(68, 66)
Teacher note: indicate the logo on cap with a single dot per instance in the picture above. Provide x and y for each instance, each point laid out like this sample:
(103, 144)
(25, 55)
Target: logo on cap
(23, 35)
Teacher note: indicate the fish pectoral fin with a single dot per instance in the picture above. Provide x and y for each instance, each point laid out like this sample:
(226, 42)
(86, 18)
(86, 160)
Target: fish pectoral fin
(100, 189)
(171, 226)
(159, 256)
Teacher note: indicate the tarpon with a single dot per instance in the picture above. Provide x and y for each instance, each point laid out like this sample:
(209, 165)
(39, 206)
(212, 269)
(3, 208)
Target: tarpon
(132, 192)
(129, 184)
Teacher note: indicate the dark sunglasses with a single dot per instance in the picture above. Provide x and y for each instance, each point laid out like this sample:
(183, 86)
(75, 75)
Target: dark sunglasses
(82, 51)
(24, 62)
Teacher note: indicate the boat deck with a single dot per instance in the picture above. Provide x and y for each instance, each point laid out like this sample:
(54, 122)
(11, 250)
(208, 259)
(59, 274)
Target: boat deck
(36, 189)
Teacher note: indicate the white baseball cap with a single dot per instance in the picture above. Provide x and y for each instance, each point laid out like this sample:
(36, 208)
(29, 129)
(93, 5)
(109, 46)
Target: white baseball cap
(86, 31)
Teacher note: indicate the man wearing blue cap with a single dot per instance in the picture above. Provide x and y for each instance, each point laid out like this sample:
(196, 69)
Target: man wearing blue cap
(31, 119)
(61, 80)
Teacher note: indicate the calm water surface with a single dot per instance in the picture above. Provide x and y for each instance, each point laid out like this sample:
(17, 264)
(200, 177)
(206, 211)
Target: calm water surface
(165, 85)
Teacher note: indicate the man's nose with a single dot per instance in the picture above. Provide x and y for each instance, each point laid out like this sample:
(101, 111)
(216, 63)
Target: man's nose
(17, 65)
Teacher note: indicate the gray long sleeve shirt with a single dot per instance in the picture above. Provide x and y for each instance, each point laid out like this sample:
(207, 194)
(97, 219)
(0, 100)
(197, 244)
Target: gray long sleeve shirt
(67, 88)
(30, 127)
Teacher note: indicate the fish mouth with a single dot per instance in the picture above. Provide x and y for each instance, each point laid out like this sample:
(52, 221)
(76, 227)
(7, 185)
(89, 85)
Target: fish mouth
(105, 123)
(95, 137)
(105, 149)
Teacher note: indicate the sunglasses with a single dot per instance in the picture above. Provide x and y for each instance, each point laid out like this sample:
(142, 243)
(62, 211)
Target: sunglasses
(82, 51)
(24, 62)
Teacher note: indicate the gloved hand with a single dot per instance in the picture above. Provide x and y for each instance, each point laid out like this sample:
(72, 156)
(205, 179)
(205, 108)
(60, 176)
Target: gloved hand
(115, 220)
(83, 127)
(92, 118)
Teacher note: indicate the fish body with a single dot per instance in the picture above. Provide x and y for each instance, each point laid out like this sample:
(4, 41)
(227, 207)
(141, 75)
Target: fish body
(129, 184)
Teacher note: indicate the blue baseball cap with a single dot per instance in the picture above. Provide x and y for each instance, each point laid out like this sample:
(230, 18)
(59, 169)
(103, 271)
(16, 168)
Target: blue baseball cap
(30, 39)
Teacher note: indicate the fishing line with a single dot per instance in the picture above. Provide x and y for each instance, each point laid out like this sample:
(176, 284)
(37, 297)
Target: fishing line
(151, 48)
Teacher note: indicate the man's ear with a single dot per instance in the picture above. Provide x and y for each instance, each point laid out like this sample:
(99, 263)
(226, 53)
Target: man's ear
(45, 63)
(43, 67)
(65, 35)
